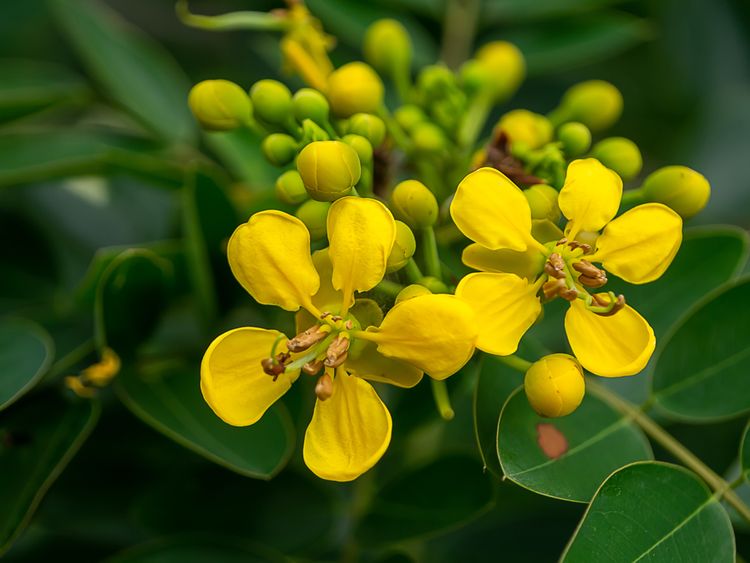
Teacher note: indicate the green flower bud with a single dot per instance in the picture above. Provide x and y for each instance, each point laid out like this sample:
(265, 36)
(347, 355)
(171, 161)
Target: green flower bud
(220, 105)
(290, 188)
(543, 202)
(354, 88)
(414, 204)
(526, 127)
(310, 104)
(554, 385)
(575, 138)
(369, 126)
(435, 80)
(409, 116)
(272, 101)
(279, 149)
(506, 66)
(428, 138)
(311, 131)
(387, 46)
(403, 249)
(412, 291)
(329, 169)
(619, 154)
(433, 284)
(684, 190)
(595, 103)
(314, 215)
(362, 147)
(475, 77)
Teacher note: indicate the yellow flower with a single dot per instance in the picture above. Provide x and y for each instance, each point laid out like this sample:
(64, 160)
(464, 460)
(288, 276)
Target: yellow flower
(607, 336)
(245, 370)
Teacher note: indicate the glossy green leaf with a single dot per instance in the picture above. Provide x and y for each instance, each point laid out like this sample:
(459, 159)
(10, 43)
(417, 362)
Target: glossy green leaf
(185, 549)
(568, 457)
(134, 71)
(511, 11)
(37, 440)
(172, 403)
(745, 452)
(701, 371)
(26, 353)
(654, 512)
(422, 501)
(239, 151)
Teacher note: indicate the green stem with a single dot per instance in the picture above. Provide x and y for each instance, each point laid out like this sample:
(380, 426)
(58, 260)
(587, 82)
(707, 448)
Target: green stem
(448, 234)
(402, 80)
(515, 362)
(431, 256)
(459, 26)
(442, 400)
(231, 21)
(669, 443)
(412, 271)
(473, 121)
(394, 130)
(633, 197)
(389, 288)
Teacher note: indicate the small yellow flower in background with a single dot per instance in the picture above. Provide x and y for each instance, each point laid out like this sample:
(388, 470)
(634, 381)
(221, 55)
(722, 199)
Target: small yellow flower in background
(607, 336)
(342, 340)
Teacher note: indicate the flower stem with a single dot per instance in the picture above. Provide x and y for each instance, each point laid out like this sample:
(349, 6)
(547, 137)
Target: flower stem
(515, 362)
(442, 400)
(389, 288)
(231, 21)
(431, 256)
(412, 271)
(459, 26)
(632, 197)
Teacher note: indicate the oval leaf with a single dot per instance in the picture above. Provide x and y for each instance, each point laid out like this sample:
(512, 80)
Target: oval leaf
(568, 457)
(654, 512)
(745, 452)
(181, 549)
(26, 353)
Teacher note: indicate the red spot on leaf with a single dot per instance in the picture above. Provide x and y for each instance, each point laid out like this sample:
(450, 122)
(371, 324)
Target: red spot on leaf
(552, 442)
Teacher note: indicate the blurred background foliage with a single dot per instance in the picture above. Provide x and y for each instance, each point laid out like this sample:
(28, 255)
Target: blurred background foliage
(113, 210)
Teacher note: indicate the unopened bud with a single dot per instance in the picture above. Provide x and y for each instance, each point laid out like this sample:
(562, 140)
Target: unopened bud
(523, 126)
(220, 105)
(314, 214)
(310, 104)
(279, 149)
(595, 103)
(428, 138)
(409, 116)
(387, 46)
(414, 204)
(403, 248)
(324, 387)
(543, 202)
(435, 80)
(272, 101)
(354, 88)
(371, 127)
(329, 169)
(412, 291)
(506, 66)
(290, 188)
(555, 385)
(575, 138)
(361, 146)
(684, 190)
(619, 154)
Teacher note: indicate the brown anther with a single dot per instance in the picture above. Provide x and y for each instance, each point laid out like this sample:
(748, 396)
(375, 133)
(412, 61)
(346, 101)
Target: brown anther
(562, 241)
(603, 300)
(591, 276)
(552, 288)
(555, 266)
(337, 318)
(313, 367)
(272, 367)
(337, 352)
(569, 294)
(306, 339)
(348, 325)
(325, 314)
(586, 248)
(324, 387)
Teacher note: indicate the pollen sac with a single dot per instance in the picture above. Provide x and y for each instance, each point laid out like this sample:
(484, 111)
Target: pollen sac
(355, 88)
(306, 339)
(220, 105)
(684, 190)
(329, 169)
(591, 276)
(324, 387)
(555, 385)
(337, 352)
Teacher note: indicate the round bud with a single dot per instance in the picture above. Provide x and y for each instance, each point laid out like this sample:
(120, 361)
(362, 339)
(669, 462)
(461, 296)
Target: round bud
(595, 103)
(408, 116)
(414, 204)
(272, 101)
(354, 88)
(279, 149)
(524, 126)
(314, 215)
(428, 138)
(433, 284)
(387, 46)
(310, 104)
(543, 202)
(619, 154)
(554, 385)
(434, 80)
(290, 188)
(369, 126)
(219, 105)
(475, 76)
(329, 169)
(684, 190)
(362, 147)
(403, 249)
(575, 138)
(412, 291)
(506, 66)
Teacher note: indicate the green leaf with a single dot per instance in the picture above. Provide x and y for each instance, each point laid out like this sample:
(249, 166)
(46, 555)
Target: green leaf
(188, 549)
(239, 151)
(174, 406)
(26, 353)
(653, 512)
(37, 440)
(745, 453)
(136, 72)
(512, 11)
(425, 501)
(701, 371)
(568, 457)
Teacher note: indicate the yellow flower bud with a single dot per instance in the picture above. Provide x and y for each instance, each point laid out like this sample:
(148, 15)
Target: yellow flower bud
(310, 104)
(575, 138)
(219, 105)
(554, 385)
(543, 202)
(279, 149)
(428, 138)
(408, 116)
(506, 65)
(414, 204)
(354, 88)
(523, 126)
(619, 154)
(684, 190)
(329, 169)
(368, 126)
(314, 214)
(595, 103)
(387, 46)
(361, 145)
(403, 248)
(412, 291)
(272, 101)
(290, 188)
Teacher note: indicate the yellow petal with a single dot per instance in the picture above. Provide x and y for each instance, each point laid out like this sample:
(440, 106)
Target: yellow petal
(327, 298)
(611, 346)
(361, 233)
(434, 333)
(640, 244)
(525, 264)
(270, 257)
(232, 380)
(349, 431)
(490, 209)
(590, 196)
(505, 306)
(371, 364)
